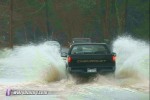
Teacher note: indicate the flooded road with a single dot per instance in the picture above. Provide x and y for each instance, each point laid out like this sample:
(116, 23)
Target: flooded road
(40, 67)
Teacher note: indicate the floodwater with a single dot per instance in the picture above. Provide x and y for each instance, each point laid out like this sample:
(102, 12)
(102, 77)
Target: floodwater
(40, 67)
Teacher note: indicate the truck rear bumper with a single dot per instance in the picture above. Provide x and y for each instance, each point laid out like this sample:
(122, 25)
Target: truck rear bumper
(91, 70)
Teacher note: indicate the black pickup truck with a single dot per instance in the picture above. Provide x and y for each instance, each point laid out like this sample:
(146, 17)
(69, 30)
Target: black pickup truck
(90, 58)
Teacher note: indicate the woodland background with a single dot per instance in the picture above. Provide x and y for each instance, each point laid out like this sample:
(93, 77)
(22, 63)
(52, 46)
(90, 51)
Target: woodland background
(26, 21)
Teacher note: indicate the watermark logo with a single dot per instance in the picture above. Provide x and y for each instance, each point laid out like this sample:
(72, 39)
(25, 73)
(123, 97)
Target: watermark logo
(10, 92)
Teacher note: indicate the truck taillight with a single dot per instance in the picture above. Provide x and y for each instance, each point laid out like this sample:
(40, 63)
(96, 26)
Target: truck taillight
(69, 59)
(113, 58)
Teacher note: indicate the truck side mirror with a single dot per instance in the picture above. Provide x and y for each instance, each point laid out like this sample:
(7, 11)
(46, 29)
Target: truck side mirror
(63, 54)
(113, 53)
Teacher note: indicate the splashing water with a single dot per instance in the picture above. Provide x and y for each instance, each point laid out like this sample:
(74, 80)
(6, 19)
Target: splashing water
(32, 62)
(132, 57)
(40, 67)
(43, 63)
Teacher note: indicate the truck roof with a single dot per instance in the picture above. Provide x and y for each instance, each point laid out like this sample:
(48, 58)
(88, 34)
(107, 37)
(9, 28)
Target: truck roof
(81, 40)
(89, 44)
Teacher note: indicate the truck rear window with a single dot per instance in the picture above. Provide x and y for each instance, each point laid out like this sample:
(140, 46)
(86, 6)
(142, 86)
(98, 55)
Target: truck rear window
(89, 49)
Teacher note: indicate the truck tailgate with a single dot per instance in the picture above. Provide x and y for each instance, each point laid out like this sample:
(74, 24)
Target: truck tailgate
(92, 61)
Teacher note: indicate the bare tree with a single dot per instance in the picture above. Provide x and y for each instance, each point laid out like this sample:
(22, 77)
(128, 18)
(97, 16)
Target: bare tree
(11, 25)
(125, 16)
(25, 33)
(47, 19)
(118, 18)
(106, 26)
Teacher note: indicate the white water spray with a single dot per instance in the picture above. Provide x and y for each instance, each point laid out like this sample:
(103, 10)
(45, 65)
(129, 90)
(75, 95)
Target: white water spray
(43, 62)
(32, 62)
(132, 57)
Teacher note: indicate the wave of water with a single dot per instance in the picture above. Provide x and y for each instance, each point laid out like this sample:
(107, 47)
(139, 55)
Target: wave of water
(132, 57)
(43, 63)
(32, 62)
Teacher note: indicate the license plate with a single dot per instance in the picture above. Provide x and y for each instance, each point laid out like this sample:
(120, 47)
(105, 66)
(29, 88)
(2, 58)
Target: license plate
(91, 70)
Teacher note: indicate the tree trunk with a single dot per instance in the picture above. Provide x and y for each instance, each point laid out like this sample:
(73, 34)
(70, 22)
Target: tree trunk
(47, 21)
(10, 25)
(107, 11)
(118, 18)
(34, 35)
(125, 16)
(25, 33)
